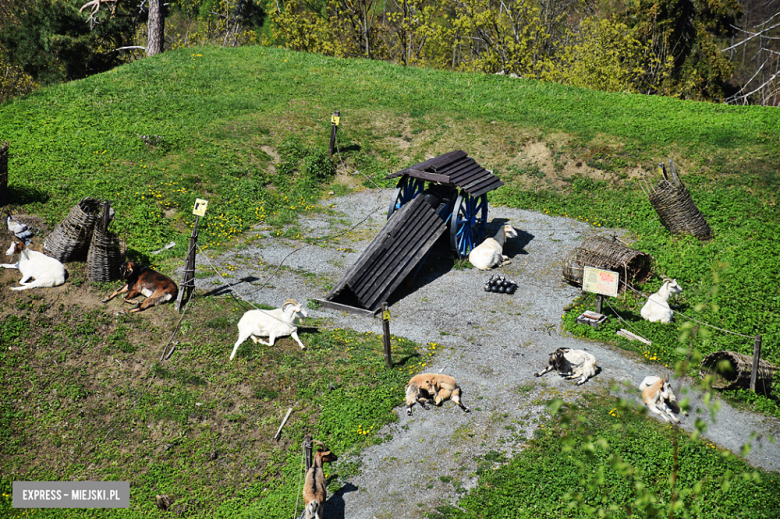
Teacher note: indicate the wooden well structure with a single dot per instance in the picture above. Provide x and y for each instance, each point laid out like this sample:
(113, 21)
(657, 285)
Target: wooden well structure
(609, 254)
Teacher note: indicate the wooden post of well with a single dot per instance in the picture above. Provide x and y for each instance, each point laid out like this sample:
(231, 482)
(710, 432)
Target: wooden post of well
(386, 334)
(756, 357)
(188, 280)
(334, 126)
(599, 303)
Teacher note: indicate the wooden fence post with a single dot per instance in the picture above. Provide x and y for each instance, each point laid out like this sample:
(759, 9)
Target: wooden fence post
(756, 357)
(188, 280)
(334, 126)
(386, 334)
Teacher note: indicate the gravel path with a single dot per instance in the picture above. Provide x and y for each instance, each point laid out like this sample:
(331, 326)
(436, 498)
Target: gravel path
(491, 344)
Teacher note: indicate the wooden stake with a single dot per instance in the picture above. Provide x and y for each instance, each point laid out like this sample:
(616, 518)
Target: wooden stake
(599, 302)
(386, 334)
(276, 436)
(334, 126)
(756, 357)
(188, 280)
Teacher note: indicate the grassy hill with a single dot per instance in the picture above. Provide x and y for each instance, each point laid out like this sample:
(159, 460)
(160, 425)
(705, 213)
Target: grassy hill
(247, 129)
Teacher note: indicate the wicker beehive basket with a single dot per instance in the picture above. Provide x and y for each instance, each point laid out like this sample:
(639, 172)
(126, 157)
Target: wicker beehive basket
(106, 254)
(607, 253)
(70, 240)
(736, 372)
(3, 172)
(674, 205)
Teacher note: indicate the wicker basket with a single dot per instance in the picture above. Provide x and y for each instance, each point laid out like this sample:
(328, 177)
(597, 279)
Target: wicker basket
(737, 371)
(676, 208)
(607, 253)
(69, 241)
(3, 172)
(106, 250)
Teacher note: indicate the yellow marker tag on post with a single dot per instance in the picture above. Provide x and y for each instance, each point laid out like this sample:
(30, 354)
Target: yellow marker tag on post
(386, 315)
(334, 119)
(200, 207)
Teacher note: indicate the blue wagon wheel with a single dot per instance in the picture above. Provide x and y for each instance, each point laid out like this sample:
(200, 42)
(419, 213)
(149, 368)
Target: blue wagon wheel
(467, 224)
(407, 189)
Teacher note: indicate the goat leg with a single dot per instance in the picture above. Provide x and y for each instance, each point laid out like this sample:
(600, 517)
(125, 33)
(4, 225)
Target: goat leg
(294, 335)
(546, 370)
(10, 266)
(115, 293)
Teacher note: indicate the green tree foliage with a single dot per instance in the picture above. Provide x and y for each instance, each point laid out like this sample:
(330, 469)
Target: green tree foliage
(686, 31)
(607, 56)
(50, 41)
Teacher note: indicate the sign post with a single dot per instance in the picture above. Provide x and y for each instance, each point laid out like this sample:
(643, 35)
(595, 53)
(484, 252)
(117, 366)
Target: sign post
(334, 126)
(603, 283)
(188, 281)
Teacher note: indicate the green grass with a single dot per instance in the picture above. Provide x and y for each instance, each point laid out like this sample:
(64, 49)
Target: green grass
(600, 457)
(86, 398)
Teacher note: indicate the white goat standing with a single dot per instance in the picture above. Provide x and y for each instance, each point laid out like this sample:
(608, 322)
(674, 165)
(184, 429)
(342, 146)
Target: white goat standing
(314, 488)
(658, 396)
(47, 272)
(656, 309)
(271, 324)
(488, 254)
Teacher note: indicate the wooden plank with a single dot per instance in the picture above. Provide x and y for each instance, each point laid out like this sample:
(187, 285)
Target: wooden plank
(424, 175)
(399, 254)
(482, 186)
(394, 228)
(470, 176)
(390, 227)
(393, 260)
(344, 308)
(423, 250)
(442, 160)
(394, 256)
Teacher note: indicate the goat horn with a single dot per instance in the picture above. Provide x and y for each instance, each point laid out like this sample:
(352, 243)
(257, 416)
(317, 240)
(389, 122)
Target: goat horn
(320, 444)
(289, 302)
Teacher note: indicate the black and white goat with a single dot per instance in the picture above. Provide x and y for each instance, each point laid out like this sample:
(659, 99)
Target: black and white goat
(571, 364)
(314, 488)
(46, 271)
(270, 323)
(658, 396)
(147, 282)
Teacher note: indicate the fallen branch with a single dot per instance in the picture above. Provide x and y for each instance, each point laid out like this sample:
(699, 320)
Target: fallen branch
(276, 436)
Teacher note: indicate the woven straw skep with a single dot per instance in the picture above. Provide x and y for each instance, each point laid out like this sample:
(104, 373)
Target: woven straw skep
(674, 205)
(106, 250)
(739, 374)
(3, 172)
(606, 253)
(70, 240)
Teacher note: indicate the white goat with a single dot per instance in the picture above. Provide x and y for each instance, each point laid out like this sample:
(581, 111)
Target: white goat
(488, 254)
(314, 488)
(656, 309)
(271, 324)
(47, 272)
(571, 364)
(658, 396)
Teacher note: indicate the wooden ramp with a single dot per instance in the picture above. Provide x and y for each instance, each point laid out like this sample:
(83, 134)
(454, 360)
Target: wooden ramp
(393, 254)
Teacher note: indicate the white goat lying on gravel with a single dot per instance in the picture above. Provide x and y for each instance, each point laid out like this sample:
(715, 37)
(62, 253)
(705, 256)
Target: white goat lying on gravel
(489, 253)
(48, 272)
(658, 396)
(571, 364)
(657, 309)
(271, 324)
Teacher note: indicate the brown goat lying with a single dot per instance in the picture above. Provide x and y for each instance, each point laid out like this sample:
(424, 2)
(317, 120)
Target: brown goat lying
(315, 489)
(427, 386)
(147, 282)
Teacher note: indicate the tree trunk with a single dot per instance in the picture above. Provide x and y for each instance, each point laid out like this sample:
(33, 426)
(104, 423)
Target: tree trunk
(155, 28)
